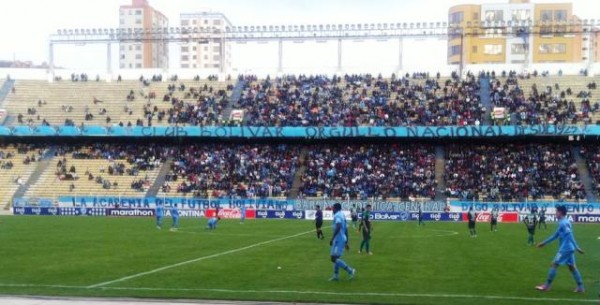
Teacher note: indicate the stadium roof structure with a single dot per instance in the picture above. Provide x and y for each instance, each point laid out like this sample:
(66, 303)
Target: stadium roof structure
(310, 32)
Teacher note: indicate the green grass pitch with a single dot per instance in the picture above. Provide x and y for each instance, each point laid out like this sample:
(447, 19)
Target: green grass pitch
(435, 264)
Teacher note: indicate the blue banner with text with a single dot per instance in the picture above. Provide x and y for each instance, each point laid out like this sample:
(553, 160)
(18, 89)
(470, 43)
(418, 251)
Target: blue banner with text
(251, 132)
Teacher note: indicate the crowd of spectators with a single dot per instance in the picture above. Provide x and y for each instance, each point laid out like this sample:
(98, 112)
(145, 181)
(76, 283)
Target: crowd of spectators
(369, 171)
(591, 154)
(137, 158)
(512, 172)
(201, 105)
(247, 171)
(362, 100)
(542, 105)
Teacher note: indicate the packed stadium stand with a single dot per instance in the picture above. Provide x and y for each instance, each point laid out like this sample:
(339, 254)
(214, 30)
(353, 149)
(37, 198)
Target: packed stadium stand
(370, 171)
(512, 172)
(362, 100)
(389, 170)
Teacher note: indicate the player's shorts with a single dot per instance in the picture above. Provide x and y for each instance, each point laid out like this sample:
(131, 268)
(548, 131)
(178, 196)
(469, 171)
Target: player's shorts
(494, 221)
(318, 224)
(337, 248)
(471, 225)
(366, 235)
(565, 258)
(354, 218)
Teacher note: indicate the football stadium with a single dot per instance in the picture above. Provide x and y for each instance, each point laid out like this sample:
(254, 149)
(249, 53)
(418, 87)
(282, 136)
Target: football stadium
(301, 152)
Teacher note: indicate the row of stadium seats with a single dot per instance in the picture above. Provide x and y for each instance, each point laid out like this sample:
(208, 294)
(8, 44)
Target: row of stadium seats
(119, 103)
(548, 100)
(352, 100)
(472, 172)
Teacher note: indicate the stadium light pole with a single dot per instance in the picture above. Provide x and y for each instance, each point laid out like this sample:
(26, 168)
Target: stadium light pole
(280, 57)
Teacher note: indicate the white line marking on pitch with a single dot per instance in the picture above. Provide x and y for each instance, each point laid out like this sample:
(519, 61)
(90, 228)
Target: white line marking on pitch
(196, 260)
(355, 293)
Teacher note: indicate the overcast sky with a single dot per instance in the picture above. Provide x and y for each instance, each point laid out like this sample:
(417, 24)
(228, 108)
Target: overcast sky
(26, 24)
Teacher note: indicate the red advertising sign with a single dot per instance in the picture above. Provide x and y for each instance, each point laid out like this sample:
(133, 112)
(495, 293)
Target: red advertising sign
(230, 213)
(487, 217)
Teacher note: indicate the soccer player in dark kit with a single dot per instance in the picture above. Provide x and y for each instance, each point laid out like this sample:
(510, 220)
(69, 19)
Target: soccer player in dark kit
(319, 222)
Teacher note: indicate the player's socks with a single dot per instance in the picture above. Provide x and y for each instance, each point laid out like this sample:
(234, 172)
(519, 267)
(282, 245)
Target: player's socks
(368, 246)
(362, 245)
(577, 278)
(341, 264)
(551, 275)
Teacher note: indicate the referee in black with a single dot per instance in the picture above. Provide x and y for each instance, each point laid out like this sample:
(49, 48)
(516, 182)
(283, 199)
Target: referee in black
(319, 222)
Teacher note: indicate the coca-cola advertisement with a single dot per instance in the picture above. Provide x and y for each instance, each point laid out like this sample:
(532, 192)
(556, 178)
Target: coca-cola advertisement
(487, 217)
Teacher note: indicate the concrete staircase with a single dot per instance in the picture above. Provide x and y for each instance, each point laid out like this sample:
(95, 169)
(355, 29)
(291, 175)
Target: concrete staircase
(5, 90)
(160, 179)
(484, 94)
(236, 94)
(37, 173)
(440, 163)
(295, 190)
(584, 174)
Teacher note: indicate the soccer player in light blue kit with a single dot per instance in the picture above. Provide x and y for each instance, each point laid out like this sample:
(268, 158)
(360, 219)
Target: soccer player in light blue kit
(175, 216)
(212, 223)
(566, 251)
(160, 212)
(242, 213)
(339, 242)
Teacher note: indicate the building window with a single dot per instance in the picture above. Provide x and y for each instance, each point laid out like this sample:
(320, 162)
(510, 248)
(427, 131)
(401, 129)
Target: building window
(194, 57)
(130, 48)
(205, 57)
(138, 21)
(560, 15)
(546, 15)
(217, 22)
(216, 49)
(194, 65)
(138, 12)
(517, 48)
(122, 48)
(138, 47)
(216, 65)
(185, 66)
(185, 22)
(456, 17)
(454, 50)
(123, 56)
(493, 33)
(519, 15)
(185, 58)
(475, 16)
(205, 49)
(185, 49)
(121, 21)
(138, 65)
(552, 48)
(205, 65)
(138, 56)
(205, 21)
(216, 58)
(494, 15)
(492, 49)
(474, 49)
